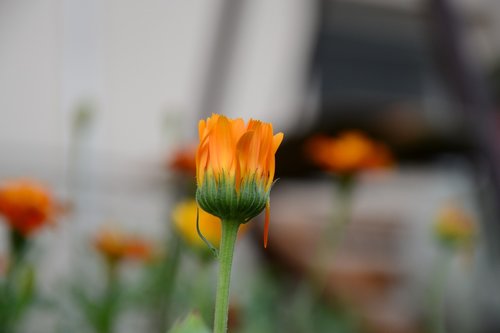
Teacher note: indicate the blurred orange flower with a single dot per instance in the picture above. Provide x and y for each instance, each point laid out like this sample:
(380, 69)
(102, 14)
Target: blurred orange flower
(350, 152)
(184, 160)
(26, 205)
(454, 226)
(115, 246)
(184, 217)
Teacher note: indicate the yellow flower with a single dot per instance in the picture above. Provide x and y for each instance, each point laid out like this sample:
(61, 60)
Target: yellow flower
(26, 205)
(235, 165)
(184, 217)
(351, 152)
(453, 226)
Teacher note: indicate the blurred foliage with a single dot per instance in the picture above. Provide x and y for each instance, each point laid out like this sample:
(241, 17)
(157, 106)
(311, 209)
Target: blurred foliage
(281, 303)
(16, 295)
(192, 324)
(102, 310)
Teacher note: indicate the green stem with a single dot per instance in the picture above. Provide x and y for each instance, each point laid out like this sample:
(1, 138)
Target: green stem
(343, 216)
(166, 281)
(437, 292)
(109, 302)
(333, 235)
(226, 251)
(10, 312)
(17, 247)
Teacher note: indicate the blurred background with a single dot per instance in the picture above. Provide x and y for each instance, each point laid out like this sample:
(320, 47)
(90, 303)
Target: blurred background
(99, 98)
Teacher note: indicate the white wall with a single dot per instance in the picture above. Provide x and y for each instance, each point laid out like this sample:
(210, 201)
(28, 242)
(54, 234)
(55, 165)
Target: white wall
(271, 58)
(30, 56)
(136, 62)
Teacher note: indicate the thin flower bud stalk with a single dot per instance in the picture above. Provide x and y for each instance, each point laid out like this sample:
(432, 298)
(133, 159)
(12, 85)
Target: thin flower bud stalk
(235, 165)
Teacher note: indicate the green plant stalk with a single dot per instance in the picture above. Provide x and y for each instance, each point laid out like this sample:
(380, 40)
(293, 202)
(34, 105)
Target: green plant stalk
(166, 282)
(108, 304)
(226, 251)
(437, 292)
(18, 248)
(11, 307)
(335, 232)
(343, 216)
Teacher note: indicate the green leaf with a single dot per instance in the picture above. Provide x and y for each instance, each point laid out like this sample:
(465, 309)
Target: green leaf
(26, 284)
(191, 324)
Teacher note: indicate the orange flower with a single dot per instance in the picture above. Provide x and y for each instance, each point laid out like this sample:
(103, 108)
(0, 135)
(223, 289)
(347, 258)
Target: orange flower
(453, 226)
(351, 152)
(114, 245)
(228, 148)
(184, 217)
(184, 160)
(235, 165)
(26, 205)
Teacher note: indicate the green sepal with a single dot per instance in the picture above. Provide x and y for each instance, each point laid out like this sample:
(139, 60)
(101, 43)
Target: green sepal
(220, 198)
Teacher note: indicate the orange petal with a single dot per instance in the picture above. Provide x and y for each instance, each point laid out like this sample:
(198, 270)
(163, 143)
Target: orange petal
(221, 144)
(252, 124)
(243, 149)
(277, 139)
(265, 150)
(254, 149)
(202, 125)
(272, 167)
(238, 128)
(201, 160)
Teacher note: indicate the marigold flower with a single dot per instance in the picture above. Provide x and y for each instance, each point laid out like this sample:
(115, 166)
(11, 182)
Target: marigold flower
(184, 217)
(454, 226)
(115, 246)
(184, 160)
(26, 205)
(351, 152)
(235, 165)
(138, 249)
